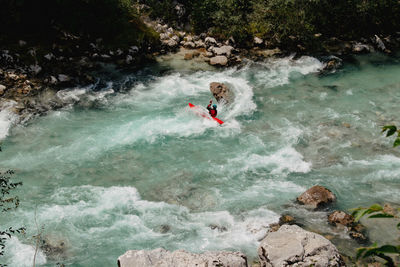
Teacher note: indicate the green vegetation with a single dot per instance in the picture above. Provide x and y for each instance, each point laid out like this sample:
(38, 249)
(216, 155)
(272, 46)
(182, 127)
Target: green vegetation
(7, 203)
(116, 21)
(391, 130)
(384, 252)
(285, 21)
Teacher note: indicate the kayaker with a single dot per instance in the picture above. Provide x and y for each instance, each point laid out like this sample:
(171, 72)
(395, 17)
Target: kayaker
(212, 109)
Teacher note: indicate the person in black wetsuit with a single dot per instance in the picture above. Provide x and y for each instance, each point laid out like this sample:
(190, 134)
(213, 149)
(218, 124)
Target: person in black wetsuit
(212, 109)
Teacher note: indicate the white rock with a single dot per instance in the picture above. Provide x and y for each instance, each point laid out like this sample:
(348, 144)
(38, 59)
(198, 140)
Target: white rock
(379, 43)
(171, 43)
(164, 36)
(128, 59)
(219, 60)
(119, 52)
(188, 38)
(53, 80)
(180, 258)
(223, 50)
(294, 246)
(63, 78)
(175, 38)
(49, 56)
(258, 40)
(210, 41)
(21, 43)
(200, 44)
(35, 68)
(189, 45)
(133, 49)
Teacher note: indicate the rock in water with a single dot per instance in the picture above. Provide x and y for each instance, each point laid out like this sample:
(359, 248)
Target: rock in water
(316, 197)
(294, 246)
(340, 217)
(181, 258)
(219, 60)
(221, 92)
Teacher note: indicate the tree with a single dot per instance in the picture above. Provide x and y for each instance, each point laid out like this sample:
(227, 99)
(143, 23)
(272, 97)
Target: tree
(8, 202)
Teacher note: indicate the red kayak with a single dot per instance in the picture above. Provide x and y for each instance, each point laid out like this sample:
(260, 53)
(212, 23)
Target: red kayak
(204, 114)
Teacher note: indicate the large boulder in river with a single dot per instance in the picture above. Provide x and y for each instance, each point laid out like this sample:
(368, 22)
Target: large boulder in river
(221, 92)
(293, 246)
(317, 196)
(180, 258)
(219, 61)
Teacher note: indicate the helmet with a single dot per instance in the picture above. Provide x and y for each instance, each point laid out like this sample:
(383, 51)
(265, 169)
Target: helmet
(214, 106)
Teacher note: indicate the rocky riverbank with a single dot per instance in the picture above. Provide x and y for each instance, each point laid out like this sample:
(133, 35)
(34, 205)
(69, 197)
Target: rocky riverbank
(31, 75)
(285, 244)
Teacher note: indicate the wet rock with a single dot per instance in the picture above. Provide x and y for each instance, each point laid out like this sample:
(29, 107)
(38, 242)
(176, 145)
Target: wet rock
(133, 49)
(340, 218)
(220, 91)
(358, 233)
(164, 228)
(360, 48)
(53, 248)
(181, 258)
(21, 43)
(188, 56)
(267, 52)
(332, 63)
(286, 219)
(317, 196)
(218, 227)
(294, 246)
(219, 61)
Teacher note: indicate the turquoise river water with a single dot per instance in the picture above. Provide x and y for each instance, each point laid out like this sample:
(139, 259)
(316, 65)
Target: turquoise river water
(129, 166)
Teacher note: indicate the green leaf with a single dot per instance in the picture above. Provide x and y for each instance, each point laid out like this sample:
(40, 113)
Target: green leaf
(390, 128)
(388, 249)
(374, 208)
(360, 251)
(381, 215)
(396, 142)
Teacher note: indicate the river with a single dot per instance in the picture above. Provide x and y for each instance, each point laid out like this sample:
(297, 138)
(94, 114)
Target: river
(128, 166)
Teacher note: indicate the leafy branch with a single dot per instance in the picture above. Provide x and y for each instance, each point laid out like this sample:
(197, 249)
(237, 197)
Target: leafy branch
(7, 203)
(383, 252)
(391, 130)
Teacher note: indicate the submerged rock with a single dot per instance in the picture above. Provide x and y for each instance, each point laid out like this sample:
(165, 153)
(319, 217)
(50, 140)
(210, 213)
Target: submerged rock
(294, 246)
(317, 196)
(181, 258)
(220, 91)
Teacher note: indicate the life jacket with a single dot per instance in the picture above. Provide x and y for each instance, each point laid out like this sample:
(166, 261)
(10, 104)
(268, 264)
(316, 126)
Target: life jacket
(213, 113)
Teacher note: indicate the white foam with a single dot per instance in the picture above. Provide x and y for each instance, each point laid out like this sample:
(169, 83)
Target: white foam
(7, 118)
(283, 161)
(21, 255)
(278, 71)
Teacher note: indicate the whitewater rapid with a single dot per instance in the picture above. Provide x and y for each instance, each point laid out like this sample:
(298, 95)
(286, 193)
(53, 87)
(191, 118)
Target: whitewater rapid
(136, 169)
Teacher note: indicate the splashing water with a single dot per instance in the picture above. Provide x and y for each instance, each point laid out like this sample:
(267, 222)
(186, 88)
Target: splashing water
(136, 169)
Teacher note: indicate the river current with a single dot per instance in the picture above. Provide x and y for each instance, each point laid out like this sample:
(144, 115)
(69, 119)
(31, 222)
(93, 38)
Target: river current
(127, 165)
